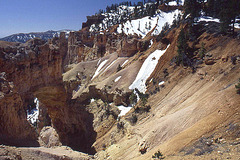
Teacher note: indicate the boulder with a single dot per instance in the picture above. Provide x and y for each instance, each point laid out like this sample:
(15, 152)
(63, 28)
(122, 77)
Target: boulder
(209, 62)
(49, 138)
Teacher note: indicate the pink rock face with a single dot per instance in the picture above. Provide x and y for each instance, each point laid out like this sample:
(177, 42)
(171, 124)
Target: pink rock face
(33, 66)
(37, 72)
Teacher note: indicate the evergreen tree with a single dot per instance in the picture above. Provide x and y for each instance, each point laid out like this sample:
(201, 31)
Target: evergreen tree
(157, 3)
(136, 12)
(229, 11)
(152, 10)
(133, 99)
(141, 10)
(139, 25)
(202, 51)
(238, 87)
(192, 7)
(177, 2)
(161, 2)
(182, 49)
(210, 10)
(150, 25)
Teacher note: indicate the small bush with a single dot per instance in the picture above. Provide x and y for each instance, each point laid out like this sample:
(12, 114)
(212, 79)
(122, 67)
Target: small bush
(142, 109)
(120, 125)
(202, 51)
(233, 60)
(165, 71)
(119, 68)
(133, 120)
(238, 87)
(158, 155)
(133, 99)
(143, 97)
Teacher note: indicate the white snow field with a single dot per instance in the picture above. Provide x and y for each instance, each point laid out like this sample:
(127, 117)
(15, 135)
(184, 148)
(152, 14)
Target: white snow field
(146, 70)
(146, 24)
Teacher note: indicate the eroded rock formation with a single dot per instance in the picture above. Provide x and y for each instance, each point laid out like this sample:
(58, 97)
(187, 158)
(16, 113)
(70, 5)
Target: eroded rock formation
(34, 69)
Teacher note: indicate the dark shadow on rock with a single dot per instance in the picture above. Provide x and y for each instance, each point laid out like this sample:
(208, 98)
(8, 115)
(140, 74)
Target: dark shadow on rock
(75, 128)
(10, 141)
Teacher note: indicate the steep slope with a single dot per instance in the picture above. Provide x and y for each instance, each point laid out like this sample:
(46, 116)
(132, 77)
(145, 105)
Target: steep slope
(188, 107)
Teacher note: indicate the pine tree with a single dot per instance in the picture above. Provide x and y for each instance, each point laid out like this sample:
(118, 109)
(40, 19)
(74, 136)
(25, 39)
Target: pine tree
(238, 87)
(202, 51)
(210, 10)
(161, 2)
(139, 25)
(182, 49)
(193, 8)
(157, 3)
(152, 10)
(136, 12)
(150, 25)
(133, 99)
(229, 11)
(177, 2)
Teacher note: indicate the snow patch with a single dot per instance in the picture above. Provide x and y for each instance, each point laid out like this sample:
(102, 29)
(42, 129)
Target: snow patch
(208, 19)
(161, 83)
(117, 79)
(32, 115)
(99, 61)
(173, 3)
(109, 66)
(92, 100)
(151, 43)
(124, 110)
(124, 63)
(146, 70)
(99, 68)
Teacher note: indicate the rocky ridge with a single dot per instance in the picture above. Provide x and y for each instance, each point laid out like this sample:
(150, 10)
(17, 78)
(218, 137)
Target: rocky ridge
(24, 37)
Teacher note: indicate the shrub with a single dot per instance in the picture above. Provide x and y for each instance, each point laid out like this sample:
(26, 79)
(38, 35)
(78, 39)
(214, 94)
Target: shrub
(233, 60)
(165, 71)
(133, 120)
(120, 125)
(119, 68)
(202, 51)
(158, 155)
(133, 99)
(238, 87)
(143, 97)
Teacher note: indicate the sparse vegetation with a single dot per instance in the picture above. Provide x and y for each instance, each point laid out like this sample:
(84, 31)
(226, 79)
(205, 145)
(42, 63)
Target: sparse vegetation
(164, 31)
(202, 51)
(143, 97)
(120, 125)
(133, 99)
(133, 120)
(165, 72)
(183, 48)
(119, 68)
(238, 87)
(158, 155)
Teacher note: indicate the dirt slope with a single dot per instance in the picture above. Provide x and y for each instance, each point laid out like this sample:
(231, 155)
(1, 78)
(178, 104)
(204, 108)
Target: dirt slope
(188, 107)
